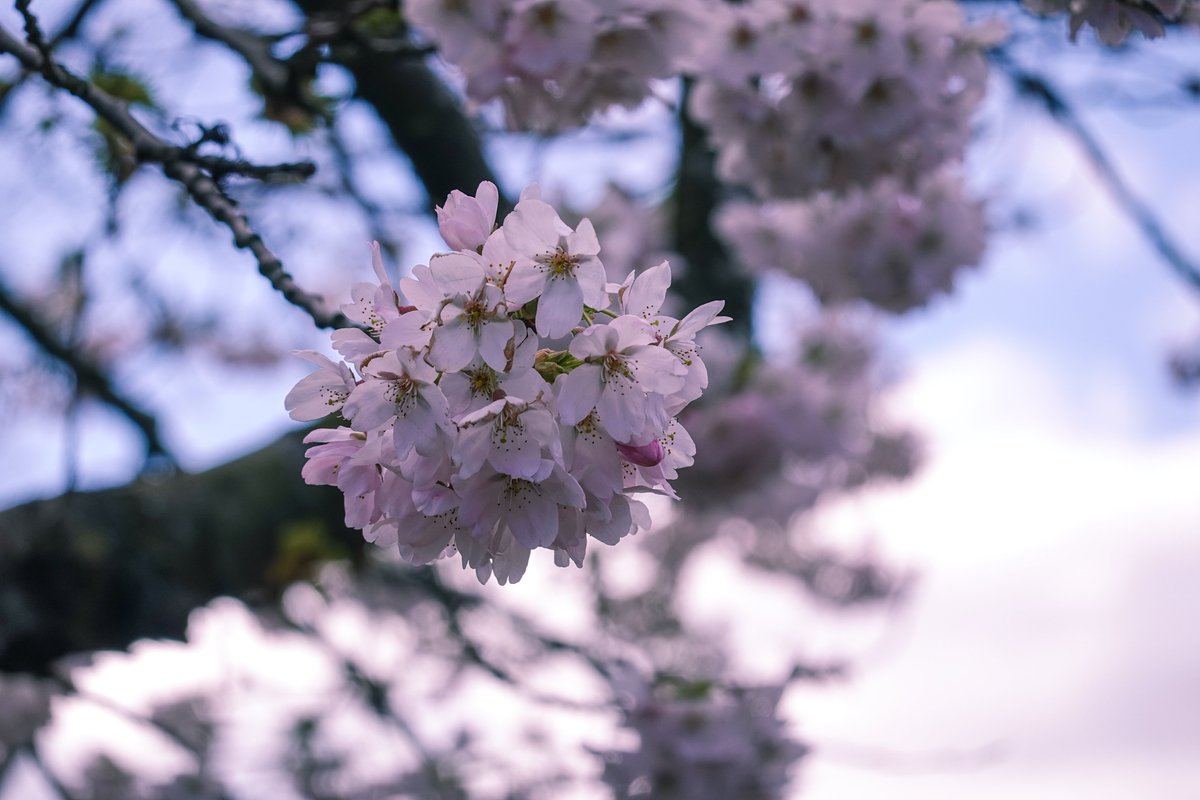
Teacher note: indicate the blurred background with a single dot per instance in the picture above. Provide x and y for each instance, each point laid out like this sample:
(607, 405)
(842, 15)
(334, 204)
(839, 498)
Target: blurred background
(968, 565)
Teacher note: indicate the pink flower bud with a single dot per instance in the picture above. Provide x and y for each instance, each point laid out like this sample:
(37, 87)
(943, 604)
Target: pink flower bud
(644, 455)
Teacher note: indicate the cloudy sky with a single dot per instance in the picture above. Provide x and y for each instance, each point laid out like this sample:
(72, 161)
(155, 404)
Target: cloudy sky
(1051, 647)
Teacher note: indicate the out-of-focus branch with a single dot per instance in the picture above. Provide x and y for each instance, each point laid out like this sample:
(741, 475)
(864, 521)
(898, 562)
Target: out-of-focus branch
(370, 209)
(89, 376)
(68, 687)
(272, 74)
(70, 28)
(99, 570)
(425, 118)
(1039, 89)
(198, 173)
(282, 83)
(711, 274)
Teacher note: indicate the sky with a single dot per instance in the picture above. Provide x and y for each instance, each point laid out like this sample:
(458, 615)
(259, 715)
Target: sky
(1049, 646)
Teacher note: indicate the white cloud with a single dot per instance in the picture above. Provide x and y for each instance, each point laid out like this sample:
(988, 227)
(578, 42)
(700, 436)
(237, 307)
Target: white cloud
(1055, 613)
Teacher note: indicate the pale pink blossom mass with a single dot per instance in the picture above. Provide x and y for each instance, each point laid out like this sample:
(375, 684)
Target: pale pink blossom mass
(504, 398)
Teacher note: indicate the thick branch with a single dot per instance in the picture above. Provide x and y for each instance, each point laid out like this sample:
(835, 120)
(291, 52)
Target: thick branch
(711, 274)
(99, 570)
(424, 117)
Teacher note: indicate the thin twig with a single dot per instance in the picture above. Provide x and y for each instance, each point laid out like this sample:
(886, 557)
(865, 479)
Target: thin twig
(70, 28)
(1038, 88)
(88, 375)
(206, 194)
(197, 173)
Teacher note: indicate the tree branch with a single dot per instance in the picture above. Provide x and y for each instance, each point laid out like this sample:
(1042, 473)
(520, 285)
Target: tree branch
(272, 74)
(711, 273)
(88, 375)
(424, 117)
(1037, 88)
(70, 28)
(99, 570)
(197, 173)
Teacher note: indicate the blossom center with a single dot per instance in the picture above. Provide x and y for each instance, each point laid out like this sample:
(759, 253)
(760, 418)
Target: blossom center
(476, 313)
(614, 364)
(482, 381)
(561, 263)
(520, 492)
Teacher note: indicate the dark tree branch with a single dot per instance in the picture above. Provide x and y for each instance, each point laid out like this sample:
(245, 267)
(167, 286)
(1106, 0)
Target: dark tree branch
(99, 570)
(198, 173)
(424, 117)
(282, 83)
(273, 75)
(711, 272)
(89, 377)
(208, 195)
(1039, 89)
(70, 28)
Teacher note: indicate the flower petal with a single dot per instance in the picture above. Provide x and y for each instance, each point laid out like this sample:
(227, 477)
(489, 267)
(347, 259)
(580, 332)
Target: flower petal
(452, 346)
(560, 308)
(578, 392)
(494, 337)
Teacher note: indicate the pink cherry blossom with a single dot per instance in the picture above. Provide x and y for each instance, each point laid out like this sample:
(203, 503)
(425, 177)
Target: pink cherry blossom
(322, 392)
(467, 222)
(624, 377)
(554, 262)
(497, 403)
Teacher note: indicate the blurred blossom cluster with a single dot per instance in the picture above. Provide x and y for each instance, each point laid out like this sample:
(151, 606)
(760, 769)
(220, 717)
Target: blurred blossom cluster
(506, 397)
(890, 245)
(698, 742)
(828, 95)
(528, 389)
(1114, 20)
(789, 430)
(554, 63)
(856, 113)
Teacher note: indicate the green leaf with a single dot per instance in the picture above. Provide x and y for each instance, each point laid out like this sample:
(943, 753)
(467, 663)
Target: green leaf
(124, 86)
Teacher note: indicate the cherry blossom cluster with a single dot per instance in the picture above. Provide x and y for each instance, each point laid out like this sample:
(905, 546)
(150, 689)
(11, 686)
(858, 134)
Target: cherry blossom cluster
(701, 742)
(505, 397)
(792, 427)
(893, 246)
(1114, 20)
(554, 63)
(804, 95)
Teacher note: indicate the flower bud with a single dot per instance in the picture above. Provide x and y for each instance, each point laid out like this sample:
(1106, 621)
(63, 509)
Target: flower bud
(644, 455)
